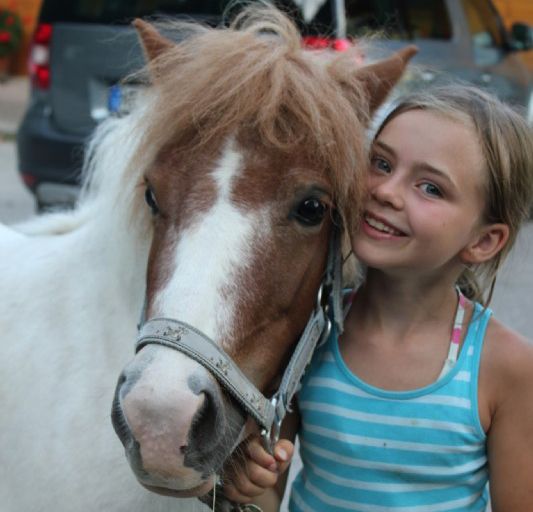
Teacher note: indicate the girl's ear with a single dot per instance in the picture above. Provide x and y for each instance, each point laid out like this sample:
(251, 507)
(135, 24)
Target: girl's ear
(489, 242)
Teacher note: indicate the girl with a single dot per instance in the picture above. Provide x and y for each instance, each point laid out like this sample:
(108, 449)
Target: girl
(425, 395)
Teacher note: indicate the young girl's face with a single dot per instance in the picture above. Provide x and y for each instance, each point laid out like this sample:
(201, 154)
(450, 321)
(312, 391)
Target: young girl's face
(426, 194)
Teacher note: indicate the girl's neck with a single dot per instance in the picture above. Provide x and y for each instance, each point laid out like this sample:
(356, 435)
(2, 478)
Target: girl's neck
(403, 305)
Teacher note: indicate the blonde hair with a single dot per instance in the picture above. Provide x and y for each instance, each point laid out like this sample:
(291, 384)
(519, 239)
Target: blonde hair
(506, 142)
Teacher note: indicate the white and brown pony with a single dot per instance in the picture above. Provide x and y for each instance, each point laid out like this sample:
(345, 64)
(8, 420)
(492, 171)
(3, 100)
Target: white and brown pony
(245, 148)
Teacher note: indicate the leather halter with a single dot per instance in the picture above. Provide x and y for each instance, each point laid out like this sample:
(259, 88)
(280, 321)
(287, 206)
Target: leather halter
(268, 413)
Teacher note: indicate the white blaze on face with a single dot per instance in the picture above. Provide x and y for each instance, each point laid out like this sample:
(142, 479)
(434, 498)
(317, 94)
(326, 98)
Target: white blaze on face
(207, 257)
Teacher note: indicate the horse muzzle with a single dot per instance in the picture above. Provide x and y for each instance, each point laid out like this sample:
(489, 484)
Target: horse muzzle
(176, 424)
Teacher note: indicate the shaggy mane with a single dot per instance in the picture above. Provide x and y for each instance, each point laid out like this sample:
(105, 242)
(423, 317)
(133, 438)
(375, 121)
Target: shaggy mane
(255, 77)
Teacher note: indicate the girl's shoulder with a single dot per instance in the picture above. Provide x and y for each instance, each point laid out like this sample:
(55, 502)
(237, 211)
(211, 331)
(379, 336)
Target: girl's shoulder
(506, 396)
(506, 371)
(506, 350)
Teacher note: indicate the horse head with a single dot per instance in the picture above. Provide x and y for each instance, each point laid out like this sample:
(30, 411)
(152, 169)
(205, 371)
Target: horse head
(257, 153)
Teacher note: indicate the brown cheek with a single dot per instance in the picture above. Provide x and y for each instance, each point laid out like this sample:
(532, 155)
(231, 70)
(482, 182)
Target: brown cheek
(285, 285)
(159, 264)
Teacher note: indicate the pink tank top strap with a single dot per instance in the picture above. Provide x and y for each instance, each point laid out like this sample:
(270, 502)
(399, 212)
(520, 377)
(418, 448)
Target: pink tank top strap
(457, 330)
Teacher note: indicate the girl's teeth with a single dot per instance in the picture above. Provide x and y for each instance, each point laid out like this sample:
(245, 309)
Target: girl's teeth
(376, 224)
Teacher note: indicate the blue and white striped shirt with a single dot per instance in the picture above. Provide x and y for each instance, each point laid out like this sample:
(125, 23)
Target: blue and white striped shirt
(366, 449)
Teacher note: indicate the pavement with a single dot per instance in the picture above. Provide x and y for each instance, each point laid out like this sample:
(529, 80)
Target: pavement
(16, 202)
(14, 93)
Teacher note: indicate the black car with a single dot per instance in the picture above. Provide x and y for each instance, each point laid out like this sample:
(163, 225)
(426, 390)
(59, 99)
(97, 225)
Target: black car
(82, 50)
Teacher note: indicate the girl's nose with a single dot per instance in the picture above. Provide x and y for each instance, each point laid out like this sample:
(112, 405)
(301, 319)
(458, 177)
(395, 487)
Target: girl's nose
(388, 192)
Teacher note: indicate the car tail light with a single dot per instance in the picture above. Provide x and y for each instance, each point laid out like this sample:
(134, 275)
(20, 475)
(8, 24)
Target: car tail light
(336, 44)
(321, 43)
(39, 64)
(315, 42)
(29, 180)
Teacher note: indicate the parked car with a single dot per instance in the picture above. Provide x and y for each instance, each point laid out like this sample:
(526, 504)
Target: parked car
(81, 50)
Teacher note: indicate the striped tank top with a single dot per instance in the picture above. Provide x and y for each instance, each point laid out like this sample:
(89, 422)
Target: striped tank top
(366, 449)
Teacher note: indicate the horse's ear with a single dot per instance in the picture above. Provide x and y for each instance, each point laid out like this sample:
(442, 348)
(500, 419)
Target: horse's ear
(153, 43)
(379, 78)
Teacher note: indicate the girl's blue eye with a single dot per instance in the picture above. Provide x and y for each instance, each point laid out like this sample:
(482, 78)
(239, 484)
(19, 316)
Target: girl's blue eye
(431, 189)
(381, 164)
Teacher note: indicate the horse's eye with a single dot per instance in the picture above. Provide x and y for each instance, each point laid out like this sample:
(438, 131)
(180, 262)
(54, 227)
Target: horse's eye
(310, 211)
(150, 200)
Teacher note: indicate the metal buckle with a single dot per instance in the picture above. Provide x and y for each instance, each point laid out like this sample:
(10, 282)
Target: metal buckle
(270, 437)
(325, 308)
(319, 296)
(325, 289)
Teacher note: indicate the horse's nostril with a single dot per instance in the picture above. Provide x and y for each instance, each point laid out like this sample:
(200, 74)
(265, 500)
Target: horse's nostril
(183, 449)
(208, 422)
(216, 421)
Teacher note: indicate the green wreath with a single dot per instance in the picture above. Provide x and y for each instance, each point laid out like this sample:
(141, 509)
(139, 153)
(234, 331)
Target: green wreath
(10, 32)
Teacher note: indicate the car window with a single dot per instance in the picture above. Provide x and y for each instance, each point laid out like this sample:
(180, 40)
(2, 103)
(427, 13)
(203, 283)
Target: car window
(209, 11)
(485, 31)
(397, 19)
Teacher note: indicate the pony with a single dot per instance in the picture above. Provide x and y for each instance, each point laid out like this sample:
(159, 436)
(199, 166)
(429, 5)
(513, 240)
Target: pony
(213, 202)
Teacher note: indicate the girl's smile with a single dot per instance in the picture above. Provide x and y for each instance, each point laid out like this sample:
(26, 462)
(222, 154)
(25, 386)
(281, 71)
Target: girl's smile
(379, 228)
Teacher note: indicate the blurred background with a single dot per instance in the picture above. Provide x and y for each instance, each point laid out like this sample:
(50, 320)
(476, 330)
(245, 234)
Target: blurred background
(511, 11)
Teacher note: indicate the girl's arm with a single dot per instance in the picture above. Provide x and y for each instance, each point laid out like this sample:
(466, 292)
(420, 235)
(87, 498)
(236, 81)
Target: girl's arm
(262, 478)
(508, 369)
